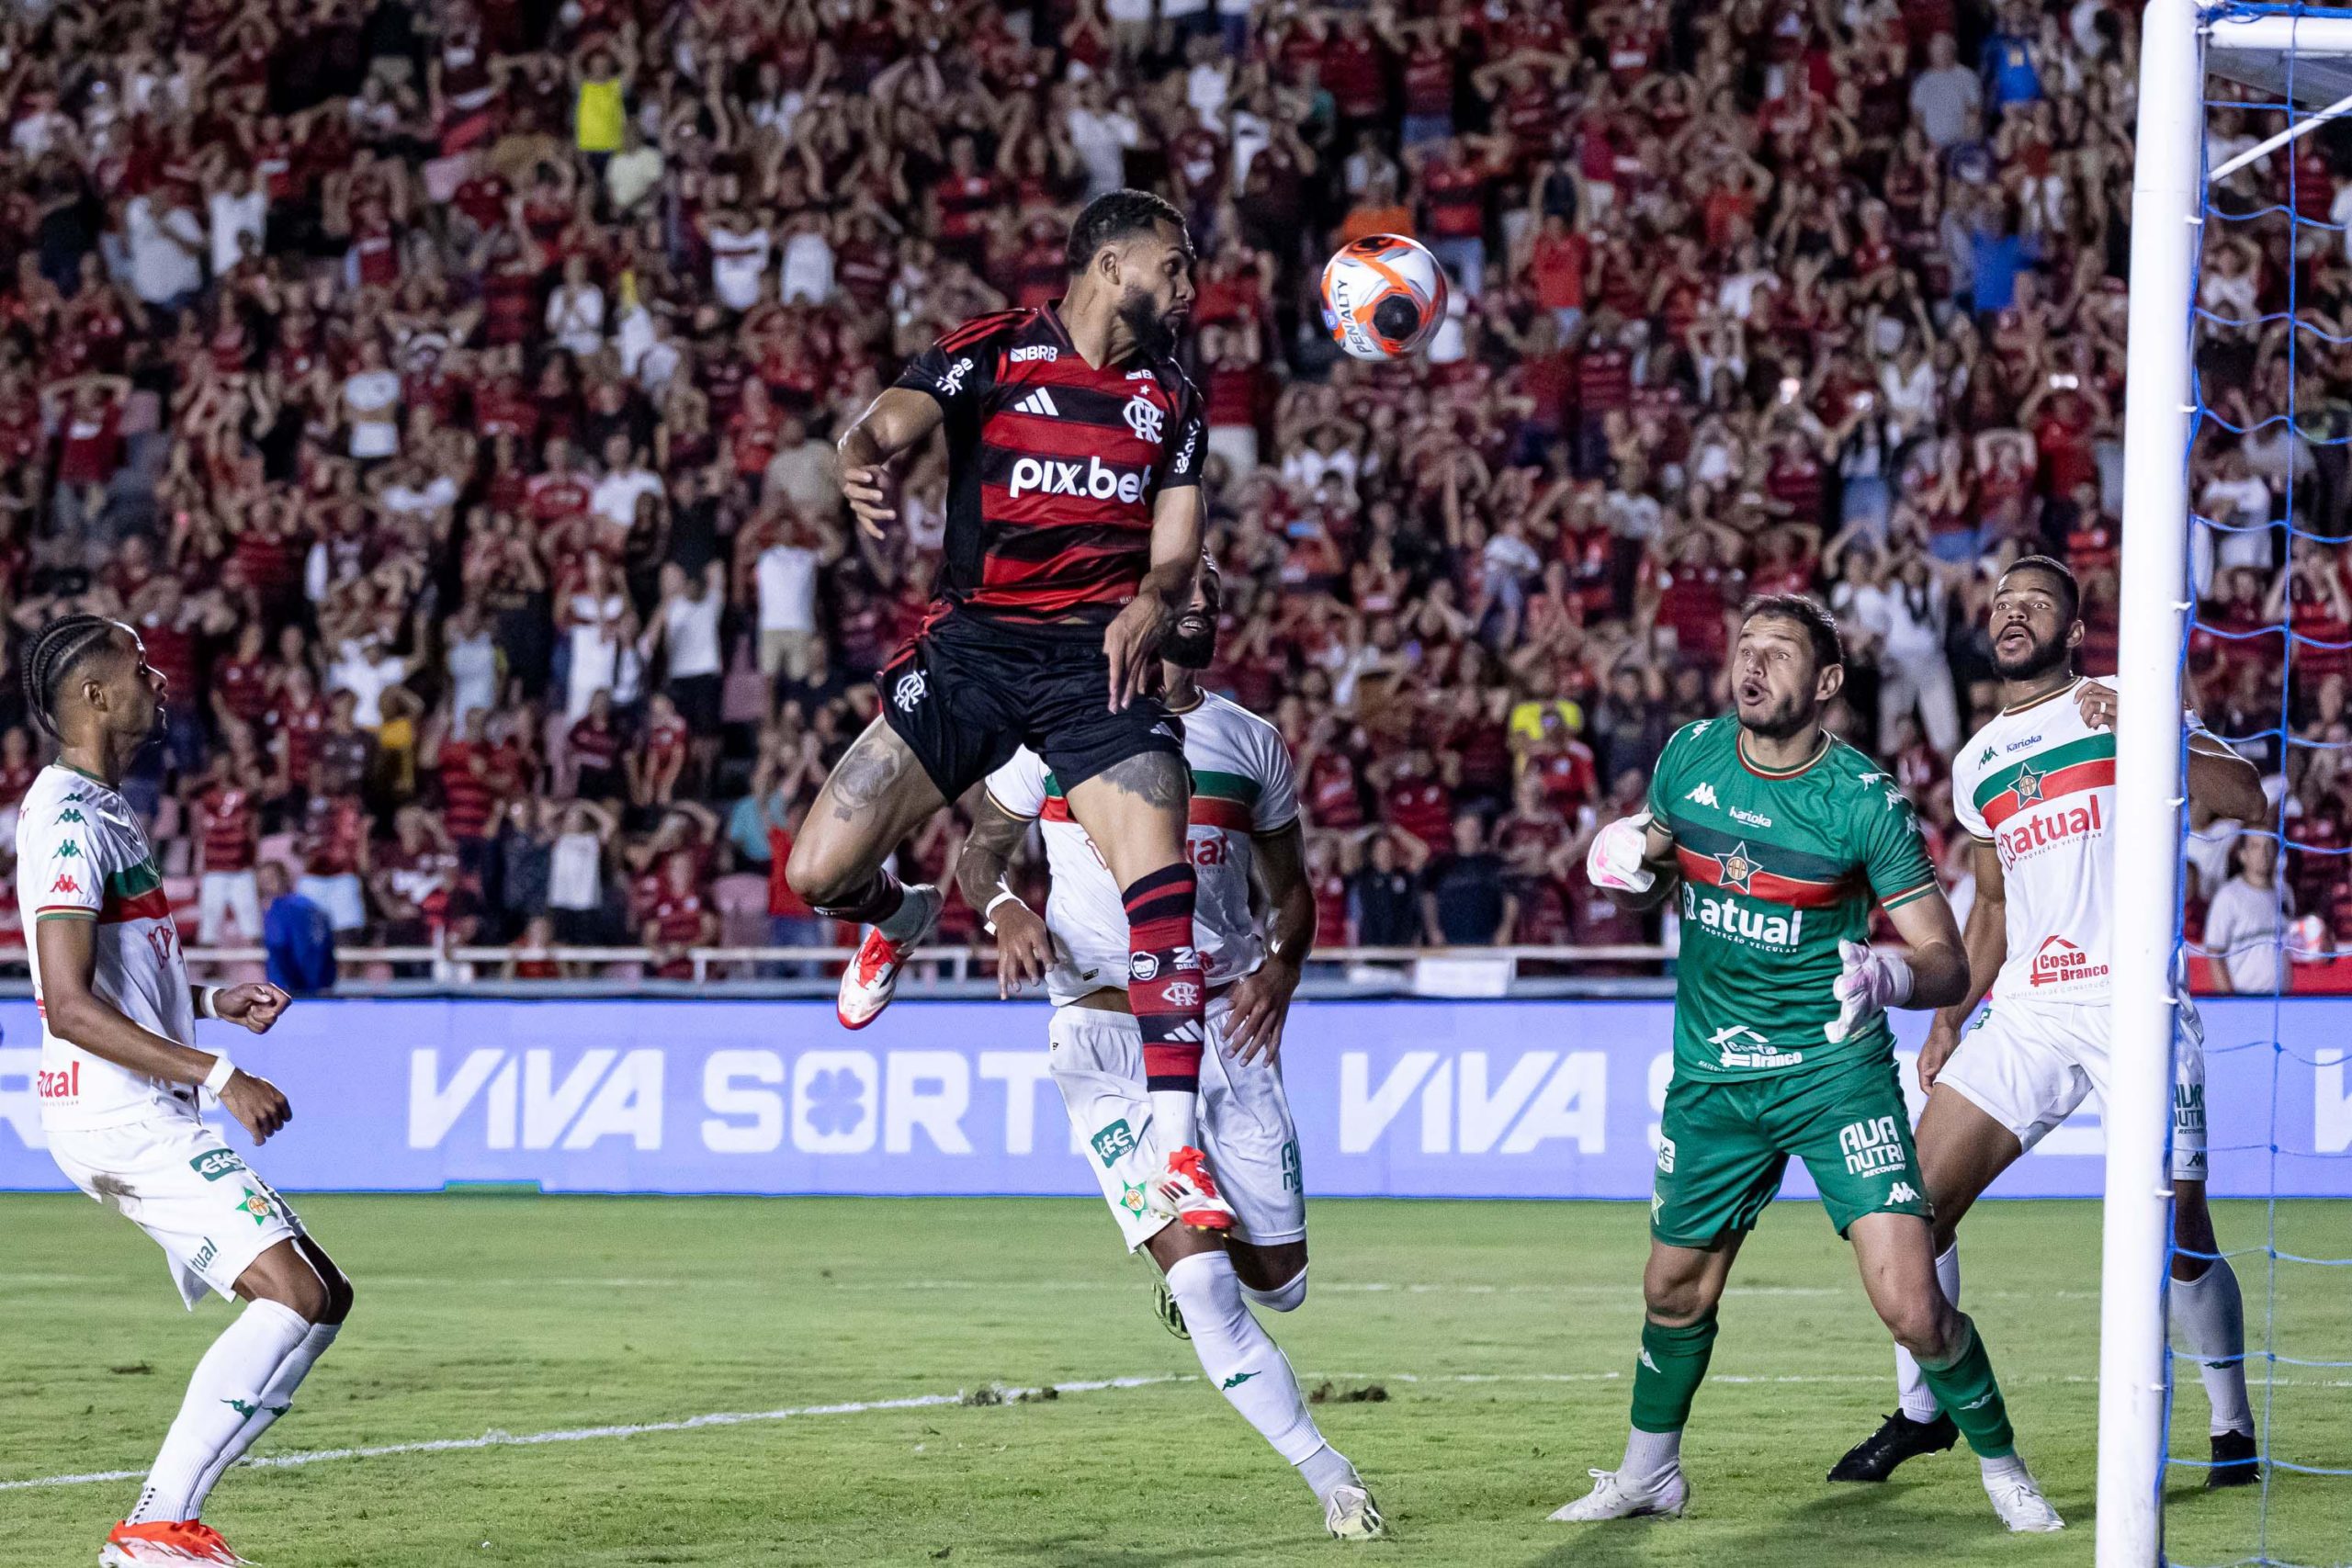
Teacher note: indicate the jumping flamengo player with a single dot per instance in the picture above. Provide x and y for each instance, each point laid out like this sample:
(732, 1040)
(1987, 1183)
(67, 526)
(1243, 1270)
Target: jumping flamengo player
(1074, 447)
(2037, 789)
(1783, 837)
(118, 1081)
(1244, 825)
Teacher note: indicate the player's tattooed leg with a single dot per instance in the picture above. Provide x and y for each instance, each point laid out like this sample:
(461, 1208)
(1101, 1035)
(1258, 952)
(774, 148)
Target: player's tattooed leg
(873, 765)
(1156, 778)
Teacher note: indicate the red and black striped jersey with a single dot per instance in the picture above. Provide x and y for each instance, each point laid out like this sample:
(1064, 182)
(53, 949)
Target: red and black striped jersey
(1052, 466)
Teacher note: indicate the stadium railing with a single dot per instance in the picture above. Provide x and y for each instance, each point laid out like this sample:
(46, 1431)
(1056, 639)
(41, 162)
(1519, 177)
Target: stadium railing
(1637, 970)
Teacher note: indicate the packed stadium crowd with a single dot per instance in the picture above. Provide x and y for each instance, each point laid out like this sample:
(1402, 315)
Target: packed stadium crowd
(443, 390)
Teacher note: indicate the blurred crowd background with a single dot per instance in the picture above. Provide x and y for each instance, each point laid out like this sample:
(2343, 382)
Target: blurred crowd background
(445, 390)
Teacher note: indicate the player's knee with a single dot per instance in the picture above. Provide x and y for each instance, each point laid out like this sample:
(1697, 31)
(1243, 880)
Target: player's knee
(339, 1296)
(1921, 1327)
(819, 879)
(1675, 1303)
(1284, 1297)
(296, 1286)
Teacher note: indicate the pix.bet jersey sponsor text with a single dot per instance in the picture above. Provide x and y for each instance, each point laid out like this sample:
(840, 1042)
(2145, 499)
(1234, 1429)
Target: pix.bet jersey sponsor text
(2039, 782)
(1243, 783)
(81, 855)
(1776, 869)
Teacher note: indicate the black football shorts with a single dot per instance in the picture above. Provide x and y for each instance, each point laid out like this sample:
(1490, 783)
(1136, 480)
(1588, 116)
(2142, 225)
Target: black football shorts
(966, 693)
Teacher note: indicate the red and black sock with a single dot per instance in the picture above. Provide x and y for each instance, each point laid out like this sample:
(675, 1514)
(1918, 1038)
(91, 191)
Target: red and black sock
(876, 903)
(1165, 991)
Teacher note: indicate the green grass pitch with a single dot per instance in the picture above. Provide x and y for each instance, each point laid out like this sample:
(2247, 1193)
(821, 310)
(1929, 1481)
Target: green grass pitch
(1500, 1335)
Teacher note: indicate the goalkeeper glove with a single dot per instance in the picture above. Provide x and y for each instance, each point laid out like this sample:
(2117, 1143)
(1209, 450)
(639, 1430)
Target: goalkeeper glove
(1870, 983)
(1615, 858)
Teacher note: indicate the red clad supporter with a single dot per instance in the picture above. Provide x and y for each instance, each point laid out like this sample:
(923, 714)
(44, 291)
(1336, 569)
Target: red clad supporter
(1718, 334)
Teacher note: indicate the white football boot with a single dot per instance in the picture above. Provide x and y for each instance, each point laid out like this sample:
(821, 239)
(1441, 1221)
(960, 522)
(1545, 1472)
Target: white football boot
(872, 977)
(1614, 1497)
(1351, 1515)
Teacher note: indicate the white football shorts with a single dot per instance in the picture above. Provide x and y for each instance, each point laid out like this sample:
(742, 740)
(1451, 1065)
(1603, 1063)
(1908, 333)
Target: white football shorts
(2028, 1064)
(1245, 1129)
(173, 1177)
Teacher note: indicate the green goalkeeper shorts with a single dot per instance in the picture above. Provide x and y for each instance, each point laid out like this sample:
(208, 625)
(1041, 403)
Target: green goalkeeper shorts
(1724, 1146)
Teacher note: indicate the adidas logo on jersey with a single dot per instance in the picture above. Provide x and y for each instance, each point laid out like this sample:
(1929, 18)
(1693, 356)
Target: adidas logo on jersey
(1039, 403)
(1706, 796)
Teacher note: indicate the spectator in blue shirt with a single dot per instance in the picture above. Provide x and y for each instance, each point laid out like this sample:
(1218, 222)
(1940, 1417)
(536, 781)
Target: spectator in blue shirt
(298, 935)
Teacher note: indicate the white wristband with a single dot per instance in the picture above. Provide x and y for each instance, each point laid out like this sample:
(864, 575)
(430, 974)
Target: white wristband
(987, 916)
(218, 1078)
(207, 1001)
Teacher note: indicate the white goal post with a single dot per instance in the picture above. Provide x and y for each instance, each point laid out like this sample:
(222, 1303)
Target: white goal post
(2279, 55)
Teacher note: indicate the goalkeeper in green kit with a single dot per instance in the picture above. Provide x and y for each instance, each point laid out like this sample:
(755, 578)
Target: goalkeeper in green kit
(1776, 840)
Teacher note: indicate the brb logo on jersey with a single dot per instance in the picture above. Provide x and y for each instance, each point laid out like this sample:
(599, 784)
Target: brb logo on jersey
(2061, 963)
(1095, 480)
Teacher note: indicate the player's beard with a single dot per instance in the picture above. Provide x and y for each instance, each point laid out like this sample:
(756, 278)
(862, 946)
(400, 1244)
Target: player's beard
(1194, 650)
(1783, 719)
(1146, 323)
(2041, 658)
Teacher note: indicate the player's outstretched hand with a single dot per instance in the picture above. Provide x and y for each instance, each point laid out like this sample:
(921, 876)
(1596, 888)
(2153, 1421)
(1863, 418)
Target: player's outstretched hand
(1870, 983)
(1253, 1030)
(256, 1105)
(1128, 642)
(1615, 858)
(2097, 703)
(1941, 1042)
(872, 491)
(255, 1004)
(1024, 950)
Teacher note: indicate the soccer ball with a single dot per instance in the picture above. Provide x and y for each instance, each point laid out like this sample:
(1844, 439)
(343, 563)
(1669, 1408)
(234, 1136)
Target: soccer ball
(1382, 295)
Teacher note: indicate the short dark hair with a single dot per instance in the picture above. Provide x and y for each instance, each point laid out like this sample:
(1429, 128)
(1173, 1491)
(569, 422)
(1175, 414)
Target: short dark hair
(52, 655)
(2070, 589)
(1114, 216)
(1820, 625)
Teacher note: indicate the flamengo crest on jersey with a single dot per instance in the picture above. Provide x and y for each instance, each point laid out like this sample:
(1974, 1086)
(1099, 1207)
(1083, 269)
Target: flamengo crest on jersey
(2040, 784)
(81, 854)
(1053, 466)
(1242, 785)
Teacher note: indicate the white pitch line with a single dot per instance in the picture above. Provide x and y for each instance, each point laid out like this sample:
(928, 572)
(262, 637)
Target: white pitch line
(497, 1440)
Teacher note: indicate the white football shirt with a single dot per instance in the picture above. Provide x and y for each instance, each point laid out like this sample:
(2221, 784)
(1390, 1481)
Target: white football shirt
(1242, 785)
(2039, 783)
(81, 855)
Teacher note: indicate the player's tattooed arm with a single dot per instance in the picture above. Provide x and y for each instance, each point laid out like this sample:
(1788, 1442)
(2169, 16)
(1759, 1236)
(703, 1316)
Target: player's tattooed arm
(1024, 950)
(894, 421)
(1129, 641)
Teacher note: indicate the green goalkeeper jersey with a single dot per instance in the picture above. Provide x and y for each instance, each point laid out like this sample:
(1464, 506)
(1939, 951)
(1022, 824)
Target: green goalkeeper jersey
(1777, 868)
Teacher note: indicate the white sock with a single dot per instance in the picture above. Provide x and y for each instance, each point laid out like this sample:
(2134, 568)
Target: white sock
(918, 902)
(275, 1400)
(1918, 1400)
(1649, 1454)
(2009, 1467)
(1175, 1118)
(2211, 1316)
(227, 1386)
(1240, 1358)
